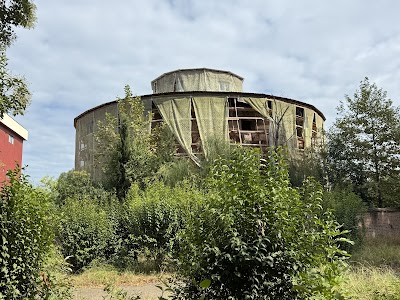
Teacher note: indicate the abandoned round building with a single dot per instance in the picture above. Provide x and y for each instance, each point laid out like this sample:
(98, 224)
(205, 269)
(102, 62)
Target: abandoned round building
(199, 104)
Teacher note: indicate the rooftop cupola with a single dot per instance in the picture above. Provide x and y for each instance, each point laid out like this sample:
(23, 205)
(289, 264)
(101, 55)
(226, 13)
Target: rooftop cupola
(189, 80)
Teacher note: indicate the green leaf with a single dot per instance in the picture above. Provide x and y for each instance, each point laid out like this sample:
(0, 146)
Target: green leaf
(205, 283)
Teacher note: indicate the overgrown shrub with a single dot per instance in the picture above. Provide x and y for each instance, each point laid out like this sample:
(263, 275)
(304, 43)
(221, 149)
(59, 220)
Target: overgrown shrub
(85, 232)
(255, 237)
(77, 185)
(25, 236)
(175, 172)
(349, 210)
(149, 220)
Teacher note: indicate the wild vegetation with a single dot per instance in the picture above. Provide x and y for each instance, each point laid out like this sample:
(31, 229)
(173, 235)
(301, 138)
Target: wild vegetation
(363, 146)
(240, 226)
(26, 237)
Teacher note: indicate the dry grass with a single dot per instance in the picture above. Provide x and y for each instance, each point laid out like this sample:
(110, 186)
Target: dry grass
(374, 272)
(100, 276)
(371, 283)
(379, 252)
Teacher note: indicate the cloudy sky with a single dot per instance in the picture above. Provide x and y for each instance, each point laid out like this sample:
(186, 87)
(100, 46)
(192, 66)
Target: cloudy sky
(82, 52)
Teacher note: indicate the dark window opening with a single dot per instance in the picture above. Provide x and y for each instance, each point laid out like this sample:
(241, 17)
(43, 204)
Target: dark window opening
(156, 118)
(300, 144)
(299, 132)
(300, 112)
(314, 124)
(231, 102)
(196, 139)
(242, 104)
(247, 125)
(193, 114)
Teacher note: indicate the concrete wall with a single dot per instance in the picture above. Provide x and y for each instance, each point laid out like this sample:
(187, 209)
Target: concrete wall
(85, 127)
(382, 222)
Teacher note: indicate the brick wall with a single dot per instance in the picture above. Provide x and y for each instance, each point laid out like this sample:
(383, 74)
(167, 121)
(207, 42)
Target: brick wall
(382, 222)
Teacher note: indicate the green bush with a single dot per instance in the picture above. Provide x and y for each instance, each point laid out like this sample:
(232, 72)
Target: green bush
(25, 236)
(149, 220)
(255, 237)
(349, 210)
(77, 185)
(85, 232)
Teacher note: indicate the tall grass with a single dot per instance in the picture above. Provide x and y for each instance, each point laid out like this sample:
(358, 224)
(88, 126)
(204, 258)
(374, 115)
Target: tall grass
(371, 283)
(379, 252)
(374, 272)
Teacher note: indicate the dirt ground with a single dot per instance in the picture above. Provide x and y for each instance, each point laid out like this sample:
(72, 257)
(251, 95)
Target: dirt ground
(146, 292)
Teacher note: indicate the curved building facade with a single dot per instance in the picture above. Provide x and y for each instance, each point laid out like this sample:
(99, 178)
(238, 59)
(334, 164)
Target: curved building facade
(203, 104)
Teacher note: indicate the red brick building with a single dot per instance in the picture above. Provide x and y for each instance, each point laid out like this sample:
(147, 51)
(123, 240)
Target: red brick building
(12, 136)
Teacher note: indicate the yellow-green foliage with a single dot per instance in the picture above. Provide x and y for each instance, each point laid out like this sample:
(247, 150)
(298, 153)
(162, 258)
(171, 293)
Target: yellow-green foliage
(371, 283)
(374, 272)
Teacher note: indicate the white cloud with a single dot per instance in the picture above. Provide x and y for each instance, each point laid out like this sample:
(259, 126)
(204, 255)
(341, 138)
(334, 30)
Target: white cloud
(82, 53)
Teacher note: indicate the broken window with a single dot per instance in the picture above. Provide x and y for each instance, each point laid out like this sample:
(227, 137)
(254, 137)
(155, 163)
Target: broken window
(196, 140)
(157, 118)
(269, 105)
(247, 126)
(314, 132)
(300, 127)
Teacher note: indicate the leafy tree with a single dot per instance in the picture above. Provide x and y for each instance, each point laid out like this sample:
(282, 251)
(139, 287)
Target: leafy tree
(15, 13)
(126, 148)
(364, 144)
(14, 93)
